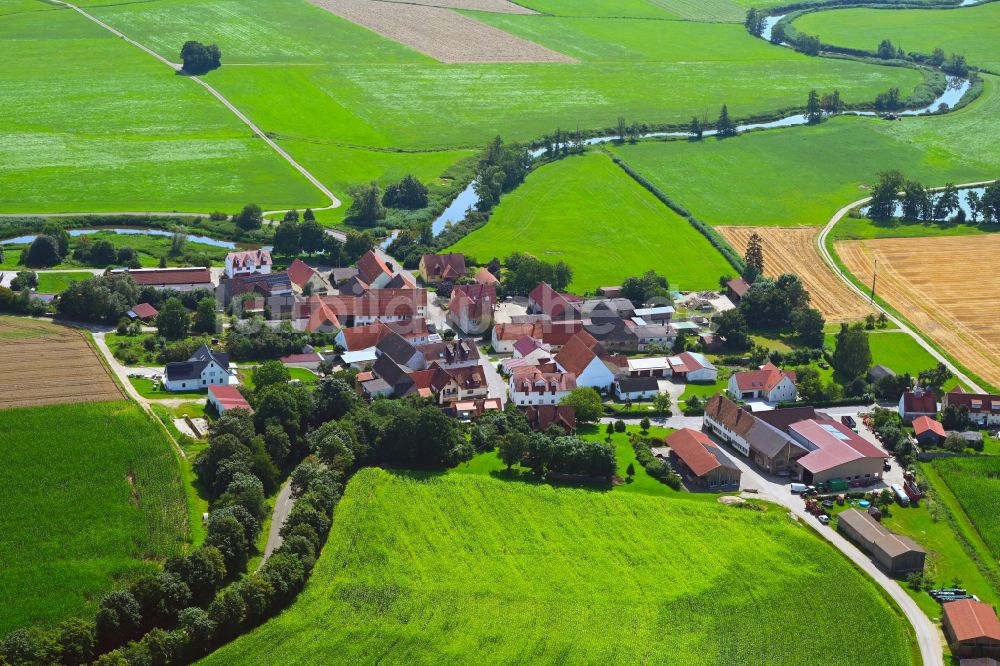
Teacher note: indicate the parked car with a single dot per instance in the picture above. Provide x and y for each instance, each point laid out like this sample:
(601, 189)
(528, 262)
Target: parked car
(886, 467)
(849, 422)
(824, 519)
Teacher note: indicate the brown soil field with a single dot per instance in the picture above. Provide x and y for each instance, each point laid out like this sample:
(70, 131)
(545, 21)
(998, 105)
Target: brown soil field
(793, 250)
(947, 287)
(439, 32)
(493, 6)
(45, 364)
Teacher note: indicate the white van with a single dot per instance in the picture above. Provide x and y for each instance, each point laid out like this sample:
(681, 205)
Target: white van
(798, 488)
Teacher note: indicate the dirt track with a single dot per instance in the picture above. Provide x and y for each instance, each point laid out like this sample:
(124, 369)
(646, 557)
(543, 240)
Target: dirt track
(46, 364)
(441, 33)
(793, 250)
(493, 6)
(947, 287)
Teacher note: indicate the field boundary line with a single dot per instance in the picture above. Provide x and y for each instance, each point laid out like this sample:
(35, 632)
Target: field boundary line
(334, 201)
(903, 324)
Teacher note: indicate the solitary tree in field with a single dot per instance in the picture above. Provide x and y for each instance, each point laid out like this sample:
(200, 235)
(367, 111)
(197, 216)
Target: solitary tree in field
(696, 130)
(754, 257)
(724, 126)
(630, 470)
(644, 424)
(198, 58)
(814, 112)
(609, 431)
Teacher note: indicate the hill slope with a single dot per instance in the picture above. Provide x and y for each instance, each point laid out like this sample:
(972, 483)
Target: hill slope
(446, 569)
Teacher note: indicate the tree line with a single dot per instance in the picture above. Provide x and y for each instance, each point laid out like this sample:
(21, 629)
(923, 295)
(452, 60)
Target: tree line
(894, 195)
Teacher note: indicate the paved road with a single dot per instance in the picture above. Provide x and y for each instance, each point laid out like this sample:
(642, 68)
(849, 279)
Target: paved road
(334, 201)
(282, 506)
(903, 326)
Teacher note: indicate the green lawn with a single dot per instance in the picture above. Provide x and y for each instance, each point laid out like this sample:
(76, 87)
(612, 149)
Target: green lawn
(800, 176)
(55, 283)
(706, 390)
(145, 388)
(969, 31)
(92, 496)
(93, 124)
(589, 213)
(862, 228)
(452, 568)
(897, 351)
(301, 374)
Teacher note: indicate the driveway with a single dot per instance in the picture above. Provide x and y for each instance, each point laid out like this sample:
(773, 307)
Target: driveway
(283, 504)
(497, 384)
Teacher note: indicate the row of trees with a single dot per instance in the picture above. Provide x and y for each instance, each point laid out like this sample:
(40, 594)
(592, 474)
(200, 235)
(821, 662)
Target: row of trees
(954, 63)
(369, 204)
(525, 272)
(894, 193)
(293, 237)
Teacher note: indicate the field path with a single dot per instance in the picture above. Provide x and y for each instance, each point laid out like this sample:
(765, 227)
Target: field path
(334, 201)
(282, 506)
(902, 325)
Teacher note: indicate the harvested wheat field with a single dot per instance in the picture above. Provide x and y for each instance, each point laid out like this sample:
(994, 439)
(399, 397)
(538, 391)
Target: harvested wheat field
(493, 6)
(947, 287)
(47, 364)
(441, 33)
(793, 250)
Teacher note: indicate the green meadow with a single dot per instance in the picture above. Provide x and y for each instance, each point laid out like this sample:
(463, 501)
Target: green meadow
(800, 176)
(92, 496)
(93, 124)
(453, 568)
(588, 212)
(969, 31)
(861, 228)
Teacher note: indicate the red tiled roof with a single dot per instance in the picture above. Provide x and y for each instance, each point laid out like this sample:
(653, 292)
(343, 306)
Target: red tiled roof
(542, 416)
(378, 302)
(485, 277)
(445, 266)
(241, 259)
(473, 300)
(162, 276)
(835, 443)
(302, 358)
(923, 424)
(695, 449)
(550, 301)
(144, 311)
(764, 379)
(299, 272)
(468, 377)
(320, 315)
(229, 397)
(577, 354)
(739, 286)
(542, 379)
(978, 403)
(971, 620)
(925, 403)
(370, 266)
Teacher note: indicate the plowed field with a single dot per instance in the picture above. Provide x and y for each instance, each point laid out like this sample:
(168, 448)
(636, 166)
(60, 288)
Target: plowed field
(793, 250)
(47, 364)
(440, 32)
(947, 287)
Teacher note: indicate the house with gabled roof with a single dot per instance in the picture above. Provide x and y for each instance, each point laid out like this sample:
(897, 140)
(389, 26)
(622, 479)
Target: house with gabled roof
(224, 398)
(585, 358)
(692, 367)
(465, 383)
(435, 268)
(483, 276)
(540, 385)
(984, 409)
(248, 262)
(306, 278)
(768, 447)
(736, 289)
(928, 432)
(176, 279)
(454, 354)
(203, 369)
(543, 299)
(834, 452)
(540, 417)
(972, 629)
(700, 460)
(402, 352)
(768, 383)
(373, 271)
(917, 402)
(636, 388)
(143, 312)
(472, 306)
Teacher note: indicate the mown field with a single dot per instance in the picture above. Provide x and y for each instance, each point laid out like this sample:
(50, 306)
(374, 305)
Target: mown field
(458, 567)
(93, 124)
(91, 496)
(969, 31)
(352, 106)
(801, 176)
(588, 212)
(976, 484)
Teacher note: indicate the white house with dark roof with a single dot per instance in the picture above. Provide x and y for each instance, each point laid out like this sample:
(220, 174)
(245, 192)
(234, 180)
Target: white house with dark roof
(205, 368)
(245, 263)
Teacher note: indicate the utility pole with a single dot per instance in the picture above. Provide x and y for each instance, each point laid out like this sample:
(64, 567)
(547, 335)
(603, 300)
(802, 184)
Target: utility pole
(874, 277)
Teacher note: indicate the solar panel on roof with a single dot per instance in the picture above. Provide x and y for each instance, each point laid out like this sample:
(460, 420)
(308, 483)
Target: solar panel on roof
(834, 431)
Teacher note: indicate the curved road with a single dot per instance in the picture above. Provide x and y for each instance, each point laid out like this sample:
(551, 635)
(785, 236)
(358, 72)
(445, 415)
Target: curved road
(334, 201)
(903, 326)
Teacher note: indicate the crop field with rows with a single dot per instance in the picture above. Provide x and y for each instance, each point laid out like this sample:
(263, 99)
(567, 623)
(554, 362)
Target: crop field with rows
(91, 496)
(976, 484)
(447, 569)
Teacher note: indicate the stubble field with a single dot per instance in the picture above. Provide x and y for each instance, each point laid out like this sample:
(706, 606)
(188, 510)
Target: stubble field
(793, 250)
(459, 568)
(45, 364)
(945, 286)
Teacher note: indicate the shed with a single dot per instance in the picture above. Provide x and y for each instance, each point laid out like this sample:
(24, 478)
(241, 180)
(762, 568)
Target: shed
(972, 628)
(928, 431)
(895, 553)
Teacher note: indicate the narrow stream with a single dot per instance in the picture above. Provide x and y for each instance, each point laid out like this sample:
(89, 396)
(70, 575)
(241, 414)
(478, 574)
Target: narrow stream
(229, 245)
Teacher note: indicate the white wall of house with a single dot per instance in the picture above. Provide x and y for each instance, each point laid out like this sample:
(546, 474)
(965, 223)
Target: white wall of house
(636, 395)
(785, 391)
(596, 375)
(531, 398)
(735, 440)
(703, 375)
(212, 375)
(248, 268)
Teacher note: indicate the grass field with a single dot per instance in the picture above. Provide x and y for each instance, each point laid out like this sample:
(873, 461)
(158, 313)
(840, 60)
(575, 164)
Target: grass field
(970, 31)
(589, 213)
(145, 388)
(862, 228)
(93, 124)
(92, 496)
(918, 277)
(800, 176)
(455, 567)
(54, 283)
(976, 484)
